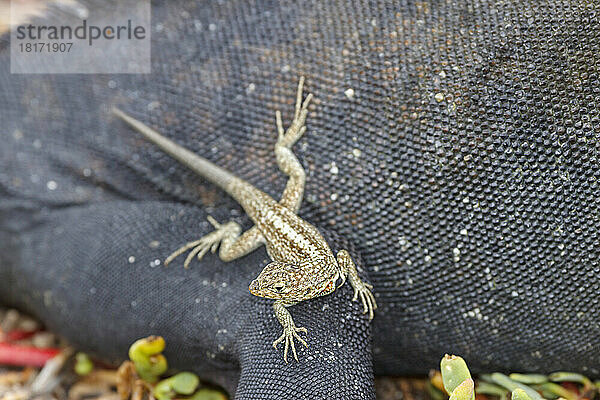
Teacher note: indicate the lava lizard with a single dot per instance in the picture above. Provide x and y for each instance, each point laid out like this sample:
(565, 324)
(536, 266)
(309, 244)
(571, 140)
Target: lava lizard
(303, 266)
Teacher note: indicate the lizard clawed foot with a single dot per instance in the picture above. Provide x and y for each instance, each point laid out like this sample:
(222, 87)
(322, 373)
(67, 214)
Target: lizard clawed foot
(368, 300)
(208, 242)
(297, 128)
(360, 288)
(289, 333)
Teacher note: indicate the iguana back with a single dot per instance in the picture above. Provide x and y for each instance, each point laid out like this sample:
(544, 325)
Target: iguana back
(455, 146)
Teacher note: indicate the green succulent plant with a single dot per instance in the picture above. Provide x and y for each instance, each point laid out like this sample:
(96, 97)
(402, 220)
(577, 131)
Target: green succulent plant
(150, 364)
(146, 355)
(455, 379)
(83, 364)
(184, 383)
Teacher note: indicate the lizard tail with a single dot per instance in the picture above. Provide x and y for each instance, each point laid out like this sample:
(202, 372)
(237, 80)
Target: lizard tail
(199, 165)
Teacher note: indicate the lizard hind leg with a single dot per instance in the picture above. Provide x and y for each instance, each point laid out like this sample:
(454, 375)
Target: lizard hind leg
(287, 161)
(297, 128)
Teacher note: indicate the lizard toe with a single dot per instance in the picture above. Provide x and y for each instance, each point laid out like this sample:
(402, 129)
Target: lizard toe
(288, 336)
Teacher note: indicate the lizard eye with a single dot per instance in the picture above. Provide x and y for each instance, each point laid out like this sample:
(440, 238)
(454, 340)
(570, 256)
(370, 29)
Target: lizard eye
(278, 287)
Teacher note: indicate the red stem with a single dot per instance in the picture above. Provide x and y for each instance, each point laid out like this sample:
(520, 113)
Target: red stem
(11, 354)
(16, 335)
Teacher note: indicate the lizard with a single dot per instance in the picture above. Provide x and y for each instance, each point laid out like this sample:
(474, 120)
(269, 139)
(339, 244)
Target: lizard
(303, 265)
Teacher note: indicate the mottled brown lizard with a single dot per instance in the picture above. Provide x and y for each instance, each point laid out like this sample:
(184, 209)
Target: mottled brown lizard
(303, 265)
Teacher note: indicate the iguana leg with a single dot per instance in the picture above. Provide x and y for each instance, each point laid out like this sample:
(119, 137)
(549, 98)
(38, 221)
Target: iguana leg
(287, 161)
(290, 330)
(228, 237)
(360, 288)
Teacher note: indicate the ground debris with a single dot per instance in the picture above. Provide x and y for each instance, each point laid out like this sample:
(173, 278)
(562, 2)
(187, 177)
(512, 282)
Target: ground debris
(35, 364)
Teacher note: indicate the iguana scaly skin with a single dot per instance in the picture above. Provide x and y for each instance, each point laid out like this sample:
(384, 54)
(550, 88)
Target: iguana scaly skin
(303, 265)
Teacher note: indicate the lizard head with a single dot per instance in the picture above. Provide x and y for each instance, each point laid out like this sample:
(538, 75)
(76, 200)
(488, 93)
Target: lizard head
(280, 281)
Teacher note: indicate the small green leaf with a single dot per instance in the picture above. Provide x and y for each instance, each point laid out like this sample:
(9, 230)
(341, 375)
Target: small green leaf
(519, 394)
(208, 394)
(570, 377)
(152, 368)
(559, 391)
(511, 385)
(184, 383)
(147, 346)
(464, 391)
(83, 364)
(491, 389)
(163, 390)
(486, 378)
(454, 372)
(529, 379)
(145, 354)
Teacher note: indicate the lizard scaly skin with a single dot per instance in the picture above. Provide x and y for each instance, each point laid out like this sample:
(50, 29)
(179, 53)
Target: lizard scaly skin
(303, 265)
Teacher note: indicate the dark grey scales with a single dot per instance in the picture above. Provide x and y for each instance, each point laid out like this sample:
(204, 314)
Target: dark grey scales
(462, 168)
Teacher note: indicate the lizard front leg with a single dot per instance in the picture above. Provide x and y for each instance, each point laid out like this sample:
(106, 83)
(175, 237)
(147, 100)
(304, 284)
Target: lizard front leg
(227, 235)
(290, 330)
(360, 288)
(287, 161)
